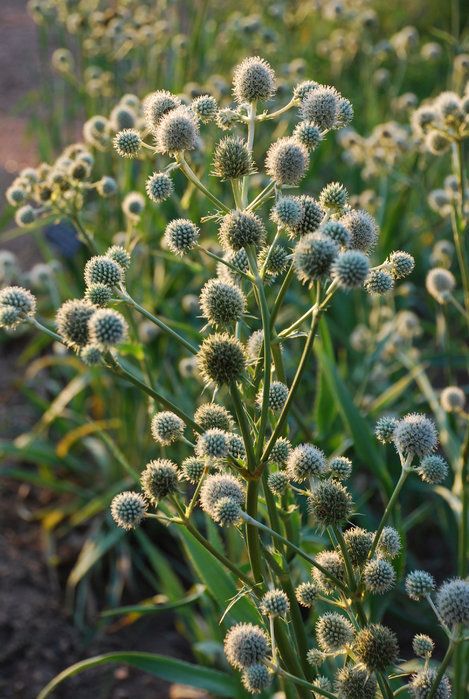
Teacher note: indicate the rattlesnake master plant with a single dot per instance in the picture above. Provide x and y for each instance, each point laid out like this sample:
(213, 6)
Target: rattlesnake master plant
(243, 465)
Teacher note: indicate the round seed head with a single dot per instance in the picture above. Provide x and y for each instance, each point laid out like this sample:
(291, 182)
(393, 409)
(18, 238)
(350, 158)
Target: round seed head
(211, 415)
(98, 294)
(239, 260)
(337, 232)
(340, 468)
(227, 512)
(256, 678)
(321, 106)
(280, 451)
(181, 235)
(415, 435)
(278, 394)
(72, 322)
(253, 79)
(389, 543)
(333, 563)
(305, 461)
(106, 186)
(423, 119)
(401, 263)
(278, 482)
(166, 428)
(350, 269)
(354, 682)
(422, 682)
(333, 632)
(128, 509)
(287, 212)
(121, 117)
(25, 216)
(193, 469)
(419, 584)
(379, 282)
(379, 576)
(239, 229)
(306, 594)
(330, 503)
(432, 469)
(311, 217)
(221, 359)
(101, 269)
(10, 317)
(315, 657)
(307, 133)
(440, 283)
(232, 159)
(376, 647)
(384, 429)
(452, 601)
(287, 161)
(205, 107)
(159, 187)
(218, 486)
(177, 131)
(277, 261)
(120, 255)
(127, 143)
(156, 105)
(423, 645)
(159, 479)
(363, 229)
(437, 143)
(91, 355)
(133, 205)
(222, 303)
(22, 300)
(313, 256)
(213, 444)
(15, 195)
(344, 113)
(333, 197)
(358, 542)
(107, 328)
(236, 447)
(275, 603)
(226, 118)
(303, 89)
(452, 399)
(246, 645)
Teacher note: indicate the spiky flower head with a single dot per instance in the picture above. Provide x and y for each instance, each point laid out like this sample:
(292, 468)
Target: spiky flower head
(333, 563)
(256, 678)
(422, 645)
(315, 657)
(419, 584)
(193, 469)
(340, 468)
(107, 328)
(101, 269)
(128, 509)
(227, 512)
(303, 89)
(25, 216)
(344, 113)
(304, 461)
(321, 106)
(422, 682)
(432, 469)
(287, 212)
(127, 143)
(72, 322)
(278, 482)
(211, 415)
(337, 232)
(205, 107)
(177, 131)
(354, 682)
(253, 79)
(358, 542)
(330, 503)
(306, 594)
(313, 256)
(156, 105)
(307, 133)
(415, 435)
(218, 486)
(287, 161)
(120, 255)
(22, 300)
(106, 186)
(384, 429)
(401, 263)
(379, 576)
(278, 394)
(440, 283)
(221, 359)
(246, 645)
(350, 269)
(436, 142)
(236, 447)
(274, 603)
(166, 428)
(159, 479)
(452, 601)
(99, 294)
(232, 159)
(363, 229)
(213, 444)
(389, 543)
(10, 317)
(333, 197)
(181, 235)
(311, 217)
(133, 205)
(221, 302)
(376, 647)
(91, 355)
(239, 229)
(226, 118)
(379, 282)
(159, 187)
(333, 632)
(452, 399)
(280, 451)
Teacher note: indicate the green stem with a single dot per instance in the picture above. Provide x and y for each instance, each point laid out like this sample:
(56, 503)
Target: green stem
(243, 425)
(441, 670)
(392, 501)
(192, 177)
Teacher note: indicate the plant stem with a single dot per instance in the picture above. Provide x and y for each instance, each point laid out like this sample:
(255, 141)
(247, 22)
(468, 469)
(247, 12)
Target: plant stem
(392, 501)
(192, 177)
(441, 670)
